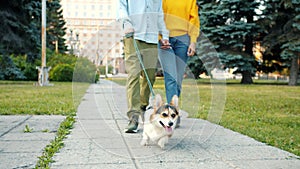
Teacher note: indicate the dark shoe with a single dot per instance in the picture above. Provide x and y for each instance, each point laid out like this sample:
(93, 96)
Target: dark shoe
(133, 125)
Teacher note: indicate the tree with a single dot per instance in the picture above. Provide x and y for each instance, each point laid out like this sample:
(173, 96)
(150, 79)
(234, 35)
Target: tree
(208, 42)
(8, 69)
(15, 27)
(281, 39)
(20, 31)
(34, 11)
(20, 22)
(230, 27)
(55, 26)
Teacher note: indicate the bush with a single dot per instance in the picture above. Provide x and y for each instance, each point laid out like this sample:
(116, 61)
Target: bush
(85, 71)
(56, 59)
(29, 69)
(103, 67)
(9, 70)
(97, 76)
(64, 68)
(30, 72)
(62, 72)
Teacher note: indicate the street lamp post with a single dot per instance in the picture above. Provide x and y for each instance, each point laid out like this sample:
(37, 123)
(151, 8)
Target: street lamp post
(74, 43)
(43, 74)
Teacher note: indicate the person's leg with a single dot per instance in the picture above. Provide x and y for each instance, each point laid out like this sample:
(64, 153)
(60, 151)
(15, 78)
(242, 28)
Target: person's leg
(133, 69)
(167, 60)
(149, 57)
(180, 49)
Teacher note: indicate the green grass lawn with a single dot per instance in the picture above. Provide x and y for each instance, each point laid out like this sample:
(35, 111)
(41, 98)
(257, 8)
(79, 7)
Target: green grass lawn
(25, 98)
(268, 111)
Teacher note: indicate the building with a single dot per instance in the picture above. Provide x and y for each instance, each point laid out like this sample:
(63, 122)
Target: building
(92, 31)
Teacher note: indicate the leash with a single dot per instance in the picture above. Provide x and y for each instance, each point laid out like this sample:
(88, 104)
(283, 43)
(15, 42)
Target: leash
(141, 62)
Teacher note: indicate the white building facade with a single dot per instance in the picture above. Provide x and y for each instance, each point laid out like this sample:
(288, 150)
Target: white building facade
(92, 31)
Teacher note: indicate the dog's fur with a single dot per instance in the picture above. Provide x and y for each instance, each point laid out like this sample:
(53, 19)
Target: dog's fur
(162, 122)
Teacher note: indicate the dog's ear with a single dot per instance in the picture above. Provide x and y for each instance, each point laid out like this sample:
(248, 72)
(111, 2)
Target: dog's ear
(158, 102)
(152, 101)
(174, 101)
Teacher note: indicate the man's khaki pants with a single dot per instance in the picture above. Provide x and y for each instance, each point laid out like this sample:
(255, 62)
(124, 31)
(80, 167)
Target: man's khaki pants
(138, 91)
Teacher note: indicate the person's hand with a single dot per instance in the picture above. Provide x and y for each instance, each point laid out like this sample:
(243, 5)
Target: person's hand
(129, 32)
(165, 44)
(192, 49)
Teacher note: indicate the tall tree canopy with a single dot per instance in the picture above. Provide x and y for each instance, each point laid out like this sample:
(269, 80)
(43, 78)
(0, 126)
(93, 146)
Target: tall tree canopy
(234, 27)
(230, 27)
(281, 23)
(20, 22)
(55, 26)
(15, 32)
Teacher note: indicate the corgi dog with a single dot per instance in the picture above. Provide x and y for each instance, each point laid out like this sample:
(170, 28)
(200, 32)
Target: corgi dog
(161, 123)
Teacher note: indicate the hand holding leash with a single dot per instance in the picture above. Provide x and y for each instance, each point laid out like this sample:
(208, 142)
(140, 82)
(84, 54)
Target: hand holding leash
(129, 34)
(165, 44)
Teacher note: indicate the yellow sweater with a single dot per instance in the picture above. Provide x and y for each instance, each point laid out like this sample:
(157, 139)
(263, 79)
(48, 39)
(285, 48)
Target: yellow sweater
(181, 17)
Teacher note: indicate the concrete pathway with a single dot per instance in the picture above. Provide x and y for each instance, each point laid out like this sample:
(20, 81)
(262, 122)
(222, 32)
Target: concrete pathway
(19, 149)
(98, 141)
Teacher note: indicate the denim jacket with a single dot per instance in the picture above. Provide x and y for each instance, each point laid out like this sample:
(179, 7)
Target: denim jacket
(146, 17)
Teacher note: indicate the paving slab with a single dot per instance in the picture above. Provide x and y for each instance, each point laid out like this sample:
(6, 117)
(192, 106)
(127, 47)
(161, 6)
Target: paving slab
(98, 141)
(19, 149)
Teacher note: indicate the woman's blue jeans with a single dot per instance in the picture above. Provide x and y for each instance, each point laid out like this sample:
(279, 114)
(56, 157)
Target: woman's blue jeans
(173, 62)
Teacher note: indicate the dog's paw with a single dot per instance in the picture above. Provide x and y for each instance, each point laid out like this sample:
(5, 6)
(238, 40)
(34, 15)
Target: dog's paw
(161, 145)
(162, 142)
(144, 142)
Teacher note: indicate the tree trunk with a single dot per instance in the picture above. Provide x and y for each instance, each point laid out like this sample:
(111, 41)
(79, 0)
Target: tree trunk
(294, 71)
(247, 78)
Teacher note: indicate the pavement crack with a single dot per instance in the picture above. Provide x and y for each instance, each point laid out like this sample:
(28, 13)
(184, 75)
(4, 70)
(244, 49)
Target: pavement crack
(17, 125)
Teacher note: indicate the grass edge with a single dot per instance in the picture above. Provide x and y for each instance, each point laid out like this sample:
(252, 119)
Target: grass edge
(56, 144)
